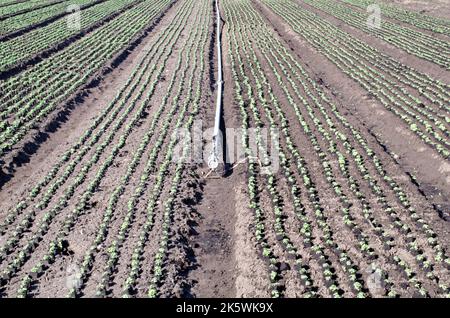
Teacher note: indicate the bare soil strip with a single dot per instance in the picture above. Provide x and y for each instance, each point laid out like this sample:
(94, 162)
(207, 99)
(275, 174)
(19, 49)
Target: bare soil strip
(439, 8)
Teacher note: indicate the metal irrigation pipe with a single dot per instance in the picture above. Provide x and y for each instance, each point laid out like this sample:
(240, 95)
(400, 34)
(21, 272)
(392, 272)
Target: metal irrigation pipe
(213, 160)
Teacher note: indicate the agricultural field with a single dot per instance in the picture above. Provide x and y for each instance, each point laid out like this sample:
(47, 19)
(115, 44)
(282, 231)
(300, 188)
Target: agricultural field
(229, 148)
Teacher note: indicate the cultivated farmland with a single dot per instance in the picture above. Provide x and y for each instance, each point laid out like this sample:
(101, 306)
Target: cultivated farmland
(335, 118)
